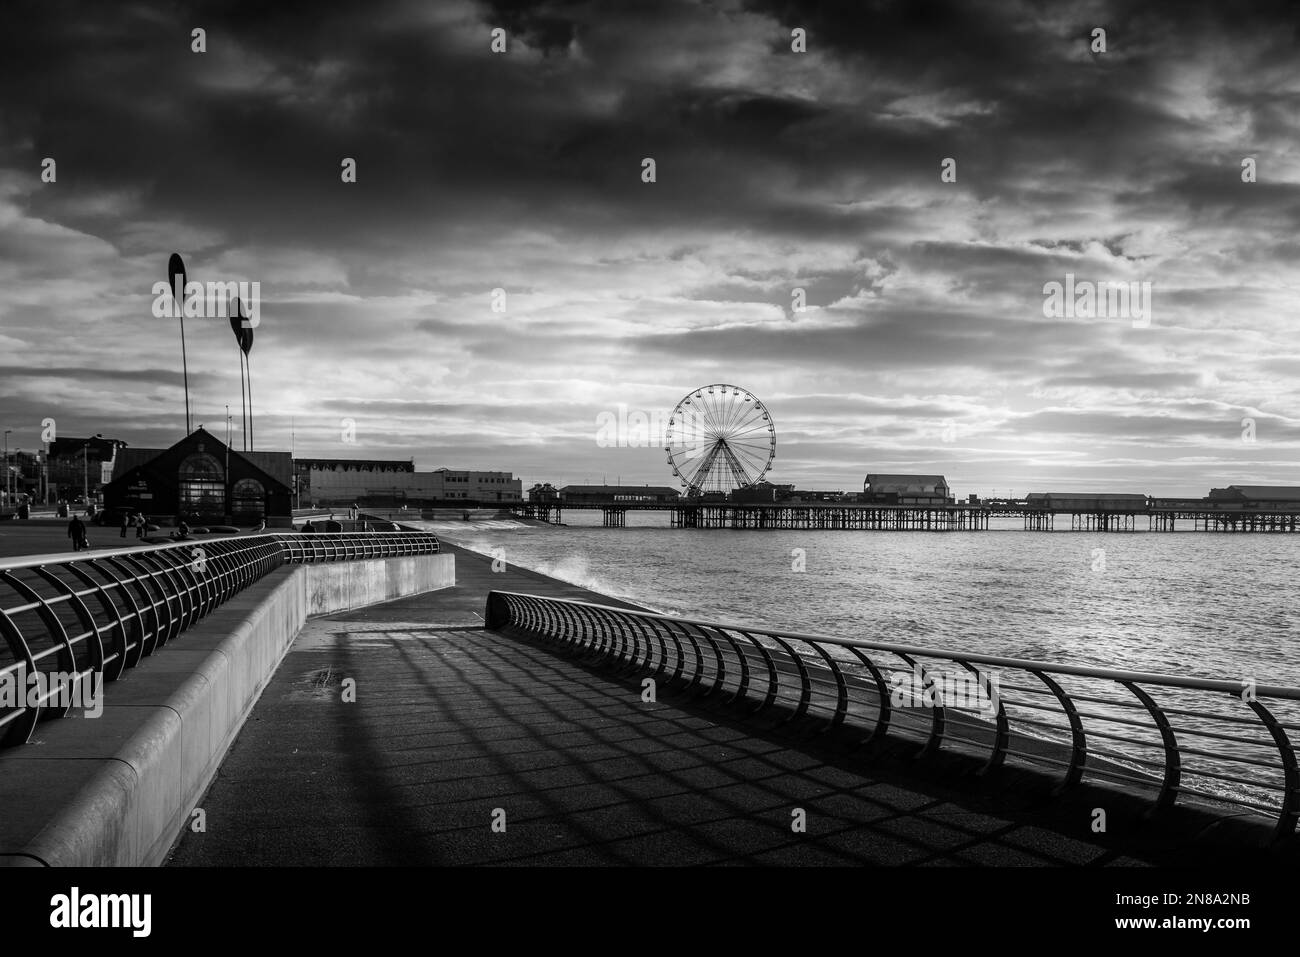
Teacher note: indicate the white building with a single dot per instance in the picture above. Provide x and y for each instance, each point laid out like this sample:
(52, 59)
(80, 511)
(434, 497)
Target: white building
(343, 482)
(480, 486)
(906, 489)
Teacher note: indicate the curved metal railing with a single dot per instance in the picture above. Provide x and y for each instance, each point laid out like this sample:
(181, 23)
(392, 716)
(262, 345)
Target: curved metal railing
(68, 624)
(354, 546)
(1181, 737)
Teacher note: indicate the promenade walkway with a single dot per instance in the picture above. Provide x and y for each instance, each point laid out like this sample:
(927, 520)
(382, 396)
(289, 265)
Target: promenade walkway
(453, 726)
(50, 537)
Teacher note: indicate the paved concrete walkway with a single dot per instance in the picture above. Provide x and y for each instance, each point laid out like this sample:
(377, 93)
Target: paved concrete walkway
(50, 537)
(452, 725)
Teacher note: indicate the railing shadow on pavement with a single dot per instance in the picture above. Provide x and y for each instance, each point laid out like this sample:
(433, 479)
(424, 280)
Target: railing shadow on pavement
(1210, 740)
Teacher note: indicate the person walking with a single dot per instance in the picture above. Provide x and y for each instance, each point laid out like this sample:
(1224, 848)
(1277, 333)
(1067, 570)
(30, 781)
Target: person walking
(141, 524)
(127, 521)
(77, 532)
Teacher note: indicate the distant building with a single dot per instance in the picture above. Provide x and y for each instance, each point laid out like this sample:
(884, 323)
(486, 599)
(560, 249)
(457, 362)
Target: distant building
(356, 465)
(1087, 501)
(760, 492)
(801, 496)
(882, 489)
(482, 487)
(342, 482)
(24, 476)
(584, 494)
(345, 481)
(1256, 495)
(543, 492)
(207, 483)
(73, 464)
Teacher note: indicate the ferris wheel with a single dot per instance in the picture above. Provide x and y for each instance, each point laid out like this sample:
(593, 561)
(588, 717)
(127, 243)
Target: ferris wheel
(719, 438)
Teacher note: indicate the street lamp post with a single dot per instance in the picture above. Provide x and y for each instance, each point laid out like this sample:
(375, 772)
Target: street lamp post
(229, 513)
(7, 431)
(85, 467)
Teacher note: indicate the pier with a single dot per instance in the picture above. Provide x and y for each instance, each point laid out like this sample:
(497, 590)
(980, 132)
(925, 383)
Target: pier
(1161, 515)
(831, 516)
(1163, 518)
(808, 516)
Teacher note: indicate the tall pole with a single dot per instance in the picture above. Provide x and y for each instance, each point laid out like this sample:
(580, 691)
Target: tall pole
(248, 362)
(176, 276)
(85, 467)
(297, 488)
(243, 404)
(229, 426)
(185, 372)
(7, 431)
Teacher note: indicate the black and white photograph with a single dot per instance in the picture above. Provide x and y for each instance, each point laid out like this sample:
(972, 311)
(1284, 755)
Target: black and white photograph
(523, 447)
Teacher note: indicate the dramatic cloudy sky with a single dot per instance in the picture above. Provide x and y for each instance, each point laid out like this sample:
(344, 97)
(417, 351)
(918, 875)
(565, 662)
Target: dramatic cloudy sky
(924, 345)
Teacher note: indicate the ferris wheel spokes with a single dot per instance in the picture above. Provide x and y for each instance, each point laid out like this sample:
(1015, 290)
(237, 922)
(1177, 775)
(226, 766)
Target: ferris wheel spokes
(737, 470)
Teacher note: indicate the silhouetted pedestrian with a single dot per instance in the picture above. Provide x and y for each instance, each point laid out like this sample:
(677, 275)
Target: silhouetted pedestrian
(308, 528)
(126, 522)
(141, 524)
(77, 532)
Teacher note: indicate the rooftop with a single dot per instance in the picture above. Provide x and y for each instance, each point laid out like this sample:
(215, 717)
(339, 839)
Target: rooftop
(392, 465)
(68, 446)
(1135, 496)
(617, 489)
(1283, 492)
(876, 478)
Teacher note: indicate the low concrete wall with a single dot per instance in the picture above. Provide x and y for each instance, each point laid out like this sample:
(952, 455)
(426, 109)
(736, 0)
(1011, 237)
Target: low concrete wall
(117, 789)
(340, 586)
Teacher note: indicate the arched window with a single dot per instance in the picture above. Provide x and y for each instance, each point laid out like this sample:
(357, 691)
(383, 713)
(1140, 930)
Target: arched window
(248, 501)
(201, 486)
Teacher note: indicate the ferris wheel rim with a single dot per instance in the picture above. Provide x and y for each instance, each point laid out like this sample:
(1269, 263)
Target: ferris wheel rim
(720, 435)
